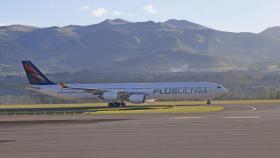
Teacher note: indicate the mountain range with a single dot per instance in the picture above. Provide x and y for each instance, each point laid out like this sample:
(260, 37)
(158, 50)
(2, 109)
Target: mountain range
(122, 46)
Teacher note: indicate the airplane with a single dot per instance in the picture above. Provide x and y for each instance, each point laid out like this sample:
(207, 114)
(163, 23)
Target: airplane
(117, 94)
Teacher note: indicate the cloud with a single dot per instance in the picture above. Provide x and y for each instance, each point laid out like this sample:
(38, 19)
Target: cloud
(99, 12)
(150, 9)
(116, 13)
(52, 5)
(85, 7)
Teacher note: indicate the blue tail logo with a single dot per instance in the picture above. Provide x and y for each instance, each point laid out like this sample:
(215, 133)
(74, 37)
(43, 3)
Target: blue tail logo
(35, 77)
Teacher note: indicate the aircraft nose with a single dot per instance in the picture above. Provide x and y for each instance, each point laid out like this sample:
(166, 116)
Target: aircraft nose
(225, 90)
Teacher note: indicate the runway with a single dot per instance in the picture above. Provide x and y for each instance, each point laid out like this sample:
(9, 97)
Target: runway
(238, 131)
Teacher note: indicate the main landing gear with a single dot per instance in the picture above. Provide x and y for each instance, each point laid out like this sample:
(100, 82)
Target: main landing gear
(116, 104)
(208, 101)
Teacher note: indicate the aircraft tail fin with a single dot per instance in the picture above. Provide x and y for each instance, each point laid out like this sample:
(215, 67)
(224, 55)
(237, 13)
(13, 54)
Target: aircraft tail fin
(34, 75)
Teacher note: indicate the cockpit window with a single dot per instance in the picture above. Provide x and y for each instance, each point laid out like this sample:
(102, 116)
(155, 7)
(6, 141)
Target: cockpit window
(219, 87)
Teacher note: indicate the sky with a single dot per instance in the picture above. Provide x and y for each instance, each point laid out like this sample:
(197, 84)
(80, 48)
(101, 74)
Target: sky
(226, 15)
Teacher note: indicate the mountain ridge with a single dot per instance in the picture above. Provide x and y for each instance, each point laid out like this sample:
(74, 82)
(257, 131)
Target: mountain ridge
(120, 45)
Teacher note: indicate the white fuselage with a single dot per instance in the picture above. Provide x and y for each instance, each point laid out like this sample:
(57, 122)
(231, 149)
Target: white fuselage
(162, 91)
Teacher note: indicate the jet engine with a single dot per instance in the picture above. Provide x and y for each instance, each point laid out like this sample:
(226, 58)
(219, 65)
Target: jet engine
(110, 96)
(136, 98)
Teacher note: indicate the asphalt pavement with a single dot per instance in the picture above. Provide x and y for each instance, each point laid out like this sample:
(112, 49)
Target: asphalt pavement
(238, 131)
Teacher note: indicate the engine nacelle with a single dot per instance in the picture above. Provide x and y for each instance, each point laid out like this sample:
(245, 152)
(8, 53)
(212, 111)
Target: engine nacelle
(110, 96)
(136, 98)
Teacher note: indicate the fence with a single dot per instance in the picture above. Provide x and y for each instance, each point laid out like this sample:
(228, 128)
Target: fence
(25, 113)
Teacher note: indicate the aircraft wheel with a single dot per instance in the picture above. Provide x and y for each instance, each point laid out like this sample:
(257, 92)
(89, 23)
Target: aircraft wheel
(123, 104)
(114, 104)
(117, 104)
(208, 101)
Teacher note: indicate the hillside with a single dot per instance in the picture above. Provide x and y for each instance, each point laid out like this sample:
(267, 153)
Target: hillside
(119, 45)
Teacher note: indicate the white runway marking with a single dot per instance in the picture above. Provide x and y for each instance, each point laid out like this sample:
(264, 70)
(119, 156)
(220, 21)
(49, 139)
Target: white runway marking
(242, 117)
(184, 118)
